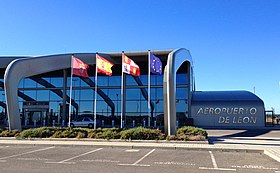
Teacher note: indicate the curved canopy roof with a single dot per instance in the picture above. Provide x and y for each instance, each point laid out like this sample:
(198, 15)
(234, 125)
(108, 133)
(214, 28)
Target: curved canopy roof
(207, 96)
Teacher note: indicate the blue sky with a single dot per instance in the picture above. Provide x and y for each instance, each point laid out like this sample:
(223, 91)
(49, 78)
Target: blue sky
(234, 43)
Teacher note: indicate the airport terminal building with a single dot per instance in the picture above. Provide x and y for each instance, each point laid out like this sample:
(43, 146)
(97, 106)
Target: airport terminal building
(35, 91)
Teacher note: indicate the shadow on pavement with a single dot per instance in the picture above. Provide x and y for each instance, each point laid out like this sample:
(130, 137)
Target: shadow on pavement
(247, 133)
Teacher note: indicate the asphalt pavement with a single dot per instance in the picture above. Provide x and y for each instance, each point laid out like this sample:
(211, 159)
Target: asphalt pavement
(227, 150)
(65, 159)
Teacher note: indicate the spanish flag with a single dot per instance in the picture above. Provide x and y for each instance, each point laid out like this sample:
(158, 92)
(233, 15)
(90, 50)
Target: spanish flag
(103, 65)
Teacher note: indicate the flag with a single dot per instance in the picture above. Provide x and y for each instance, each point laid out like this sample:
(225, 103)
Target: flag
(130, 67)
(155, 64)
(79, 67)
(103, 65)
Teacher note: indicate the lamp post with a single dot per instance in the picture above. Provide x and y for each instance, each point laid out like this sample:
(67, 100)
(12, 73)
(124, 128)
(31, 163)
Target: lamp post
(3, 100)
(117, 104)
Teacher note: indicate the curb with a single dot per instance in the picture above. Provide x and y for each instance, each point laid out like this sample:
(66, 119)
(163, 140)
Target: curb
(179, 145)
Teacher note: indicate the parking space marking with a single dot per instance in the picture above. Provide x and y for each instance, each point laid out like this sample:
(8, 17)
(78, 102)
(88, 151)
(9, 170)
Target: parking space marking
(218, 169)
(213, 160)
(102, 161)
(66, 160)
(215, 166)
(132, 151)
(254, 167)
(4, 147)
(33, 159)
(138, 161)
(29, 152)
(175, 163)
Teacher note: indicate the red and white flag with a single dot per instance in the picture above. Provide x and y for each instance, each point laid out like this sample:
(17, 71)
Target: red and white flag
(79, 67)
(129, 66)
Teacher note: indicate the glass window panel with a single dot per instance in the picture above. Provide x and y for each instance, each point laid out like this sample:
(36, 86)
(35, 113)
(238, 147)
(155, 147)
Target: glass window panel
(57, 82)
(181, 106)
(83, 84)
(75, 82)
(55, 106)
(2, 96)
(141, 94)
(102, 108)
(159, 80)
(115, 81)
(144, 107)
(87, 94)
(144, 79)
(85, 107)
(47, 79)
(114, 94)
(117, 107)
(105, 91)
(43, 95)
(102, 81)
(132, 106)
(54, 96)
(181, 93)
(31, 94)
(157, 93)
(28, 83)
(153, 79)
(159, 106)
(181, 79)
(133, 94)
(130, 81)
(21, 83)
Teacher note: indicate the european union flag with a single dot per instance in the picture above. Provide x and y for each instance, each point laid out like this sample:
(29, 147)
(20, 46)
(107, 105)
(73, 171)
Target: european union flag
(155, 64)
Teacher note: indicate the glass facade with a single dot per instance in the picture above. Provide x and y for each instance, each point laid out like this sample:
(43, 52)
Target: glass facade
(83, 95)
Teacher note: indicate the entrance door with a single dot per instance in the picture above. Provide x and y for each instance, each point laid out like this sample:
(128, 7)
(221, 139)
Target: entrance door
(269, 119)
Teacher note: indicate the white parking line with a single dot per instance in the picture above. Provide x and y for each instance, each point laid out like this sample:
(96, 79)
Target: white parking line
(218, 169)
(213, 160)
(215, 166)
(102, 161)
(4, 147)
(33, 159)
(136, 163)
(131, 151)
(66, 160)
(29, 152)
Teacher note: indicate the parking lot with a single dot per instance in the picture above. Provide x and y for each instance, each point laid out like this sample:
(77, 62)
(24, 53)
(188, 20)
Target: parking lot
(29, 158)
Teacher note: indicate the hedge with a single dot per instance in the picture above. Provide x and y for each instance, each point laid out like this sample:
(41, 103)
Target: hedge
(185, 133)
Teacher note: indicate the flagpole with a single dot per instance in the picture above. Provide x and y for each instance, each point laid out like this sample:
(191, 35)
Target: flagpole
(70, 101)
(122, 101)
(95, 95)
(149, 88)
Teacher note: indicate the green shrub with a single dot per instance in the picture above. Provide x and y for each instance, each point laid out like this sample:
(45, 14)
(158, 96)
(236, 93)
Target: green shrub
(141, 133)
(7, 133)
(106, 133)
(43, 132)
(189, 133)
(185, 133)
(71, 133)
(2, 129)
(111, 133)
